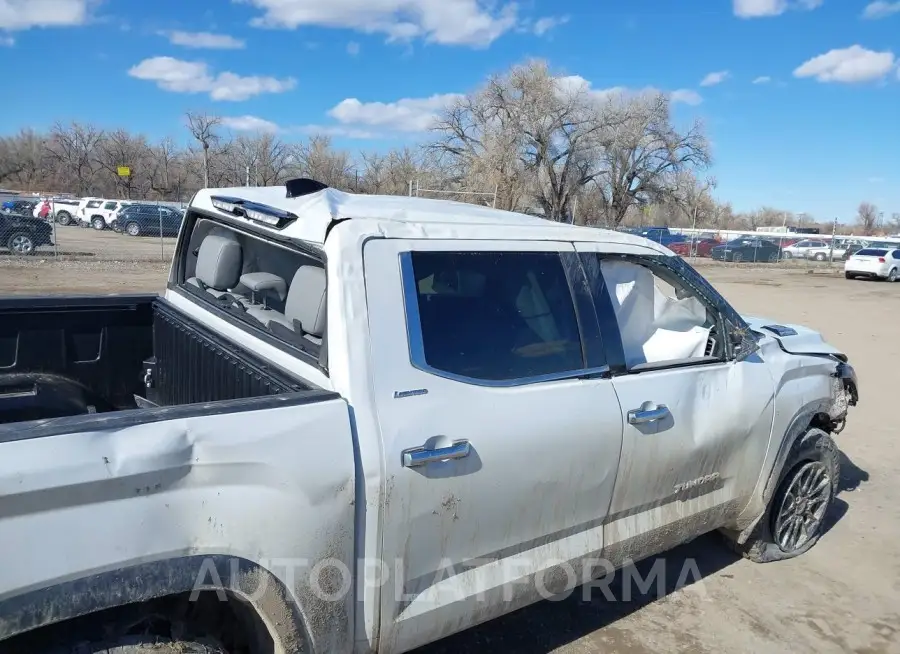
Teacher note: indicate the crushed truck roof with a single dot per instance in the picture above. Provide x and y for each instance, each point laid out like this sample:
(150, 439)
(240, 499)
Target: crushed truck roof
(396, 216)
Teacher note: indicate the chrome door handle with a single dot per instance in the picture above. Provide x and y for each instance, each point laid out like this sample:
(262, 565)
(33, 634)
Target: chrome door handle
(420, 456)
(648, 412)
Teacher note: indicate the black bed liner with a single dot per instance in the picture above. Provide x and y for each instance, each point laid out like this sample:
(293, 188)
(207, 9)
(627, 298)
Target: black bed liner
(96, 354)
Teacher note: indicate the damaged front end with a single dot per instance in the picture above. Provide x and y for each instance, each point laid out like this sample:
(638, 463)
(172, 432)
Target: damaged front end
(844, 394)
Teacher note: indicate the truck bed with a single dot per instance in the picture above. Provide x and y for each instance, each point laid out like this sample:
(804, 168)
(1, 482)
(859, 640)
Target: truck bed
(97, 354)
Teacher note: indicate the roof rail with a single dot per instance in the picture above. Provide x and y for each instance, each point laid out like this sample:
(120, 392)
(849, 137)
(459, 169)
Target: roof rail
(303, 186)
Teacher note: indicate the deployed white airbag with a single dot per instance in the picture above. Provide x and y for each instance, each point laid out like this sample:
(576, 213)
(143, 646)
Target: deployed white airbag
(655, 325)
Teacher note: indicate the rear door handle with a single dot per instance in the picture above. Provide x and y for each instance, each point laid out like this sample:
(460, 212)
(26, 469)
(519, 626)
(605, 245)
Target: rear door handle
(648, 412)
(420, 456)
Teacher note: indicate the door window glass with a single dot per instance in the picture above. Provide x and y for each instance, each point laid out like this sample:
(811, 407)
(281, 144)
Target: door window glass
(495, 315)
(660, 319)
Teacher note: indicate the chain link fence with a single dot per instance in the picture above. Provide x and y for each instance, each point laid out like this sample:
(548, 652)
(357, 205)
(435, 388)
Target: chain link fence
(89, 230)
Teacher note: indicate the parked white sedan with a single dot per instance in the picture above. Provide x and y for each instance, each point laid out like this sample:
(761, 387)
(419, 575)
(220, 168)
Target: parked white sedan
(874, 263)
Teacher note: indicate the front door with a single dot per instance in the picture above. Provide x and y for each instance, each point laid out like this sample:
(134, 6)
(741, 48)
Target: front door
(501, 435)
(697, 422)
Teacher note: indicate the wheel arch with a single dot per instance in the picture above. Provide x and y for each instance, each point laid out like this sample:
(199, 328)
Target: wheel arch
(813, 414)
(248, 586)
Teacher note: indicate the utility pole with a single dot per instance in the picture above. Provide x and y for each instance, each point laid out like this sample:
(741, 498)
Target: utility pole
(831, 249)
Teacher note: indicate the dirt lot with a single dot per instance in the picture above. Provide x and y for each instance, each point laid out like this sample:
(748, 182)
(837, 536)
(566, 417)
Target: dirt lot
(843, 596)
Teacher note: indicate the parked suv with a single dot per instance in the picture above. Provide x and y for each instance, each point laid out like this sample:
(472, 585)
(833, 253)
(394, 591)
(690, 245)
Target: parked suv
(801, 249)
(148, 220)
(22, 234)
(102, 216)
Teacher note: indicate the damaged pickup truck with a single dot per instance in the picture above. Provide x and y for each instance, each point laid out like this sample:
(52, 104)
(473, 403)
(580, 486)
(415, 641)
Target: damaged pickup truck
(360, 424)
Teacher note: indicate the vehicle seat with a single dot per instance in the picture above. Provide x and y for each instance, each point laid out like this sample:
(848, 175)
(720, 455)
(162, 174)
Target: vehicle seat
(218, 264)
(304, 309)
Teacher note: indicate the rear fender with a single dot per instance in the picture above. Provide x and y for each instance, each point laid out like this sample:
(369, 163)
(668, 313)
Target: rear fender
(135, 584)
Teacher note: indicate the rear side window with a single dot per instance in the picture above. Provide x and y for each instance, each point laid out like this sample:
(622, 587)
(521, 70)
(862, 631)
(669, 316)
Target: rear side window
(495, 316)
(110, 205)
(870, 252)
(93, 204)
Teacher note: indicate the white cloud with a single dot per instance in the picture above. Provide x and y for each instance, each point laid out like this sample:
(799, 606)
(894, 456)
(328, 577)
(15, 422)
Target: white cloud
(880, 9)
(206, 40)
(405, 115)
(853, 64)
(576, 83)
(353, 48)
(763, 79)
(25, 14)
(249, 124)
(547, 23)
(337, 130)
(715, 78)
(181, 76)
(450, 22)
(763, 8)
(686, 96)
(6, 41)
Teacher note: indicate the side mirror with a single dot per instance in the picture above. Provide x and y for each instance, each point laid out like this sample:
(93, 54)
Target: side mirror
(743, 344)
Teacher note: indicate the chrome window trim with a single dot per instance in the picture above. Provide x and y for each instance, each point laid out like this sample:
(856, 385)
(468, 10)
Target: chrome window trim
(416, 343)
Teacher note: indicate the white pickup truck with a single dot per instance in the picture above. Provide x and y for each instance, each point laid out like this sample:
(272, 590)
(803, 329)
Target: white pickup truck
(360, 424)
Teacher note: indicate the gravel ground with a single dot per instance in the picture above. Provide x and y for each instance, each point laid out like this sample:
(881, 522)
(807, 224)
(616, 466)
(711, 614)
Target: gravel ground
(843, 596)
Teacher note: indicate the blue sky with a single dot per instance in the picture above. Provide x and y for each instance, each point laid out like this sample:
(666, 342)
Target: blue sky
(801, 98)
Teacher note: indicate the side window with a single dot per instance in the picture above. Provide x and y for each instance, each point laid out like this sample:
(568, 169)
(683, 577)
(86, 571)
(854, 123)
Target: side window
(493, 316)
(661, 319)
(93, 204)
(110, 205)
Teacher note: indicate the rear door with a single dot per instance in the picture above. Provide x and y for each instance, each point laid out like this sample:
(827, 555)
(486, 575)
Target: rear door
(501, 430)
(697, 421)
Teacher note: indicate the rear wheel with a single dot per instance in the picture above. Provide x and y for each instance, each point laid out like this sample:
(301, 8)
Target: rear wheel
(144, 645)
(795, 518)
(787, 255)
(737, 257)
(820, 256)
(849, 275)
(892, 276)
(98, 223)
(133, 229)
(773, 257)
(21, 244)
(63, 217)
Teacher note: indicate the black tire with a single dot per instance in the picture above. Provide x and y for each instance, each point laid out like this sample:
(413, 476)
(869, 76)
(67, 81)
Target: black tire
(892, 276)
(133, 229)
(21, 244)
(814, 453)
(820, 256)
(144, 645)
(737, 257)
(98, 223)
(63, 217)
(773, 257)
(849, 275)
(787, 255)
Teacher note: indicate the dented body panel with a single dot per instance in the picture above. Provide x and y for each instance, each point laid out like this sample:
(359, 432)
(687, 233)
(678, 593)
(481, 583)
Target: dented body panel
(237, 484)
(143, 503)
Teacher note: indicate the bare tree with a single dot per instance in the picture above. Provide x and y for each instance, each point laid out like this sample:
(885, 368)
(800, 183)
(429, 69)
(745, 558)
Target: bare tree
(318, 160)
(73, 149)
(867, 217)
(120, 149)
(203, 128)
(644, 155)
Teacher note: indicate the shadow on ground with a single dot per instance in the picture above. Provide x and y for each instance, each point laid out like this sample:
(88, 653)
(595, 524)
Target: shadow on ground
(550, 624)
